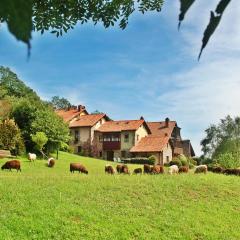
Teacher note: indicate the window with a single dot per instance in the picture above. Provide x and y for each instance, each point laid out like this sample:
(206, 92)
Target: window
(137, 137)
(79, 149)
(123, 154)
(100, 138)
(126, 137)
(115, 139)
(76, 136)
(107, 139)
(167, 158)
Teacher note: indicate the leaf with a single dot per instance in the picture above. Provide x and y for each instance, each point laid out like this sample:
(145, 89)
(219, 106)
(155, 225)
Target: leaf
(185, 5)
(222, 6)
(18, 16)
(213, 23)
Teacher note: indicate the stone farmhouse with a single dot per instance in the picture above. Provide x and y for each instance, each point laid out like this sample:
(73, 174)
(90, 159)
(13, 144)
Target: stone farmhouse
(125, 138)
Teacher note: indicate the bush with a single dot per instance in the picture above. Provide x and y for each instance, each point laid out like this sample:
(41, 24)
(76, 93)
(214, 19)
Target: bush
(175, 162)
(191, 166)
(184, 163)
(138, 160)
(228, 160)
(207, 161)
(152, 159)
(166, 164)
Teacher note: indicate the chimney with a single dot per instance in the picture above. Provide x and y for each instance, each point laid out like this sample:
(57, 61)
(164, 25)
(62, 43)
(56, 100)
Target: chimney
(141, 118)
(167, 122)
(80, 108)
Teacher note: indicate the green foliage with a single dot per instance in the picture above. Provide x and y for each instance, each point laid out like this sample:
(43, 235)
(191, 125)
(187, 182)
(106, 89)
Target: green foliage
(23, 16)
(15, 87)
(53, 126)
(215, 18)
(140, 160)
(60, 103)
(191, 166)
(175, 162)
(228, 160)
(31, 114)
(18, 16)
(152, 160)
(40, 139)
(10, 136)
(222, 138)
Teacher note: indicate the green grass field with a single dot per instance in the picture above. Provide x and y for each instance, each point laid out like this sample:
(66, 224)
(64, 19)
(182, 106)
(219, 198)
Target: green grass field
(44, 203)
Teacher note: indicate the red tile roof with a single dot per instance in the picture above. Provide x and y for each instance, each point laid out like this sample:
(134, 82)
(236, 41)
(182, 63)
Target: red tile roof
(150, 143)
(68, 115)
(87, 120)
(157, 140)
(160, 129)
(118, 126)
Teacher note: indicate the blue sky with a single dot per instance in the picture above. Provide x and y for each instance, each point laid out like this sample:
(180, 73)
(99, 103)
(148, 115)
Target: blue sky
(150, 69)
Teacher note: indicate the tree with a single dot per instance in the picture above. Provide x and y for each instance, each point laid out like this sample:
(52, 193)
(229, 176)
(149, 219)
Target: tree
(11, 85)
(53, 126)
(222, 138)
(60, 103)
(40, 139)
(10, 136)
(23, 16)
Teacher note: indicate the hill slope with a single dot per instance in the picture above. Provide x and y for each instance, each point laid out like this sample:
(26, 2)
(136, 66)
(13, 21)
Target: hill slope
(43, 203)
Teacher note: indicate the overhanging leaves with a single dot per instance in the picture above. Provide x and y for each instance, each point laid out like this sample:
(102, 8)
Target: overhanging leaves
(213, 23)
(184, 6)
(18, 16)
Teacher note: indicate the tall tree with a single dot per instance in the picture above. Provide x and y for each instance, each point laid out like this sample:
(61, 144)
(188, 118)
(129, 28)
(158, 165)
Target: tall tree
(60, 103)
(23, 16)
(222, 138)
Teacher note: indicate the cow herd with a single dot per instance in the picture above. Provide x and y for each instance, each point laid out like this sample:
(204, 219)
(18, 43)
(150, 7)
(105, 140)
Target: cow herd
(123, 168)
(156, 169)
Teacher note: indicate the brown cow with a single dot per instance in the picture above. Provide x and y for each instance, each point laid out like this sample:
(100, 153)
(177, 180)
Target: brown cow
(78, 167)
(109, 169)
(137, 171)
(119, 168)
(232, 171)
(125, 169)
(147, 168)
(217, 170)
(51, 162)
(183, 169)
(13, 164)
(157, 169)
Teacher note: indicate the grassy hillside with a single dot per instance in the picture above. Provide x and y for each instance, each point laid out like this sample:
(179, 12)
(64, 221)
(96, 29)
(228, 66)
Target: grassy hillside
(43, 203)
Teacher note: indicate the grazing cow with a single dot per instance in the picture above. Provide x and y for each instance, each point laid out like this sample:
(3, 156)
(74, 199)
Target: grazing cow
(125, 169)
(78, 167)
(147, 168)
(217, 170)
(109, 169)
(137, 171)
(201, 169)
(51, 162)
(119, 168)
(157, 169)
(183, 169)
(232, 171)
(32, 157)
(13, 164)
(173, 169)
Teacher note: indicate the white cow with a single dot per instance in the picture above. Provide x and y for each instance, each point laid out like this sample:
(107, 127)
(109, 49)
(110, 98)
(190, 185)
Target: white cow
(32, 156)
(201, 169)
(173, 169)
